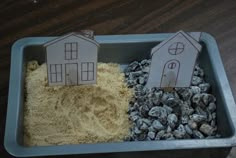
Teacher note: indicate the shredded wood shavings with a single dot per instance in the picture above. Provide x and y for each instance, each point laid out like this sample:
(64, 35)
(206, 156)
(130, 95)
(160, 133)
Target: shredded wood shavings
(75, 114)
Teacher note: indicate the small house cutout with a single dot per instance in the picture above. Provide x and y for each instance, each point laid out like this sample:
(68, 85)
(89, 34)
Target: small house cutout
(173, 61)
(72, 59)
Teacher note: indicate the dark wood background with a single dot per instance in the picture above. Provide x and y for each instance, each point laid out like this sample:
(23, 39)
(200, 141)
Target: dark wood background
(20, 19)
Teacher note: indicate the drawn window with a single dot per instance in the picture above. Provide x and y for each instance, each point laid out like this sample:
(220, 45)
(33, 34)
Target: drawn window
(87, 71)
(56, 73)
(71, 51)
(176, 48)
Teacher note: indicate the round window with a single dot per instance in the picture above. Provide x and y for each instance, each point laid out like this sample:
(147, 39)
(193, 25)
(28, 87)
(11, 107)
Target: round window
(176, 48)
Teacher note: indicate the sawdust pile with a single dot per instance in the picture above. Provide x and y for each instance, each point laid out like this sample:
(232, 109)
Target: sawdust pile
(76, 114)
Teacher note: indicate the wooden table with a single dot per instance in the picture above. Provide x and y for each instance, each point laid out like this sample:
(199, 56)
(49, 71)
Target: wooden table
(51, 18)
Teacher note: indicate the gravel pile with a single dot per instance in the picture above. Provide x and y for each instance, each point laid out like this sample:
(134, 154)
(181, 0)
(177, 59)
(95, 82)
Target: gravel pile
(184, 113)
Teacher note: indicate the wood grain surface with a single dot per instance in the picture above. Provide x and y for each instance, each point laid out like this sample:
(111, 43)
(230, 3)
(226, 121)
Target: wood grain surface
(26, 18)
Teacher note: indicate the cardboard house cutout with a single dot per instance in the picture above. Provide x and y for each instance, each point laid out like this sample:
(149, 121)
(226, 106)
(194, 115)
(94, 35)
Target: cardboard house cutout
(72, 59)
(173, 61)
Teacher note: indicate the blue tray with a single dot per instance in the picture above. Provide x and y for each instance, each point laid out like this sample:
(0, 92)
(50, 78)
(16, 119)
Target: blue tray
(123, 49)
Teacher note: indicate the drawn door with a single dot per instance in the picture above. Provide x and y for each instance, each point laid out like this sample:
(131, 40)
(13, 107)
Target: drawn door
(170, 73)
(71, 73)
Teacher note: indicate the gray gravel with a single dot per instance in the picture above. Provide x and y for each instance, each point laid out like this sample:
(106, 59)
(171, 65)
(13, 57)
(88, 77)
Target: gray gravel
(184, 113)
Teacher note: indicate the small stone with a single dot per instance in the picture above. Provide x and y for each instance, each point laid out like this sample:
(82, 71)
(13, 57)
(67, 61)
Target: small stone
(197, 134)
(200, 111)
(181, 128)
(192, 124)
(196, 80)
(175, 94)
(167, 136)
(213, 123)
(144, 127)
(188, 130)
(131, 83)
(134, 116)
(164, 97)
(144, 109)
(144, 62)
(142, 136)
(168, 129)
(198, 118)
(210, 137)
(204, 87)
(139, 122)
(179, 134)
(137, 131)
(212, 107)
(151, 135)
(209, 118)
(195, 90)
(188, 102)
(151, 129)
(172, 102)
(159, 135)
(136, 105)
(184, 119)
(131, 109)
(134, 65)
(207, 98)
(138, 94)
(126, 73)
(149, 103)
(135, 74)
(141, 80)
(172, 120)
(138, 87)
(168, 109)
(158, 112)
(147, 121)
(196, 99)
(157, 125)
(213, 115)
(207, 129)
(198, 71)
(145, 76)
(141, 100)
(170, 99)
(186, 109)
(185, 93)
(156, 97)
(155, 89)
(146, 69)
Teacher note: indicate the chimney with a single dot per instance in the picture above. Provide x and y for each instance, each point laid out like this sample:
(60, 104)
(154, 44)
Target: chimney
(88, 33)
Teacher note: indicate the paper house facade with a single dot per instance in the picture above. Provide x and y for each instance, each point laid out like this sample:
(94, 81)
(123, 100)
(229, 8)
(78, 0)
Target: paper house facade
(72, 59)
(173, 61)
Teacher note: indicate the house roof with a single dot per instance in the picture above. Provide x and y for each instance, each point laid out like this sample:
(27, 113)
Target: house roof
(68, 35)
(189, 38)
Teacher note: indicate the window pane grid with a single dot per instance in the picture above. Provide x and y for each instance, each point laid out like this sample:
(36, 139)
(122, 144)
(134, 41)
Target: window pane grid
(71, 51)
(56, 73)
(87, 71)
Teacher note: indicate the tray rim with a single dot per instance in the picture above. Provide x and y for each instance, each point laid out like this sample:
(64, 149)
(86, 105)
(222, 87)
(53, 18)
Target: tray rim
(10, 138)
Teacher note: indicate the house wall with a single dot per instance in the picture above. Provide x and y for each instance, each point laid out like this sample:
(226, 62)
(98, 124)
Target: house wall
(87, 52)
(186, 58)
